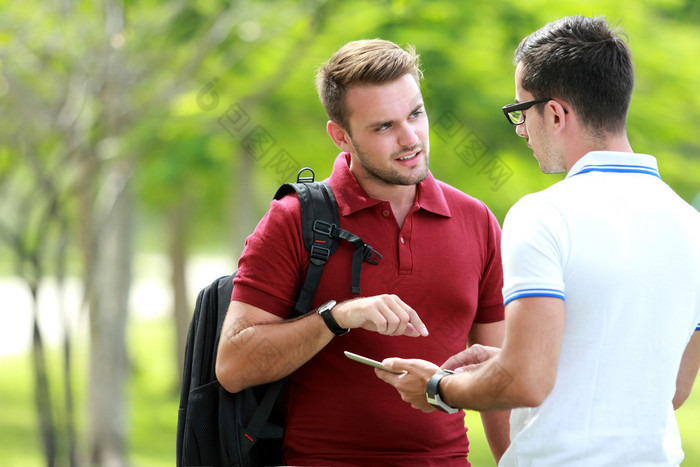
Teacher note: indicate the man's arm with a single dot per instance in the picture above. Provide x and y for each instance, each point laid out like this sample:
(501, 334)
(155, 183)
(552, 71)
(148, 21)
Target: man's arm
(258, 347)
(522, 374)
(688, 370)
(496, 424)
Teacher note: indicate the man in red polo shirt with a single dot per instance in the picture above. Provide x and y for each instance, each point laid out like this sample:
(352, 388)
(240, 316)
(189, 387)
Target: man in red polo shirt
(436, 289)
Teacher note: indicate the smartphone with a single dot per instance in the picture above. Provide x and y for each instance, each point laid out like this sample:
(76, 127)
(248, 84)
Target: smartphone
(369, 361)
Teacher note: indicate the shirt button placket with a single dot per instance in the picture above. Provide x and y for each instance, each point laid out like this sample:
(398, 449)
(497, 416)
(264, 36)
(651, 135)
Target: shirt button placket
(405, 256)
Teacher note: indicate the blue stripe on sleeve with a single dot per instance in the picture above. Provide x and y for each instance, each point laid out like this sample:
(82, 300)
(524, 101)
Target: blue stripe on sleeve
(555, 293)
(698, 328)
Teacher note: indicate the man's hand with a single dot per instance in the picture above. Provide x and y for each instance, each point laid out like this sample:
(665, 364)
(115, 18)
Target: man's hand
(413, 383)
(385, 314)
(471, 359)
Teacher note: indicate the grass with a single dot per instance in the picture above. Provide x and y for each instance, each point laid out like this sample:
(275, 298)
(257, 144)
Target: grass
(687, 416)
(153, 401)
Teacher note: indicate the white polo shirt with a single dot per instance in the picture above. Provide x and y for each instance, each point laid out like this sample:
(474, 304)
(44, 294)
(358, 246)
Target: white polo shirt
(623, 251)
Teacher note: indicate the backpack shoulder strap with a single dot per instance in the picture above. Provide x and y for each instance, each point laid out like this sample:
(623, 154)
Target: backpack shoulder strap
(318, 209)
(318, 212)
(321, 234)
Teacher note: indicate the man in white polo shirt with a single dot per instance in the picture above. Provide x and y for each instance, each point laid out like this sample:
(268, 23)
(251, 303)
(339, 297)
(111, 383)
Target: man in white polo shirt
(602, 276)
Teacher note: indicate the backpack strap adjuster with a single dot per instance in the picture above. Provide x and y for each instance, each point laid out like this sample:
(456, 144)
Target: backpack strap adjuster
(319, 254)
(325, 228)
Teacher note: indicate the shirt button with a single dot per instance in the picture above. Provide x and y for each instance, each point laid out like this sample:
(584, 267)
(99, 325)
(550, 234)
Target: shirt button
(386, 213)
(402, 240)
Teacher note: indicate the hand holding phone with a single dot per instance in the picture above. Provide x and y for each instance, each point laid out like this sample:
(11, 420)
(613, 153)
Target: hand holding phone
(370, 362)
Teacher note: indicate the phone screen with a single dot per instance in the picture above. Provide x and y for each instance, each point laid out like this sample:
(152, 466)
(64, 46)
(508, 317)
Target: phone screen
(369, 361)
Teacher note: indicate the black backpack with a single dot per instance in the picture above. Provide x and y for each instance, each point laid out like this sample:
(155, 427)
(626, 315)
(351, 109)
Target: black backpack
(214, 426)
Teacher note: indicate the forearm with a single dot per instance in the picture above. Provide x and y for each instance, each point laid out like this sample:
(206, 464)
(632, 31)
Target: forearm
(251, 354)
(497, 430)
(258, 347)
(523, 373)
(492, 387)
(484, 341)
(688, 370)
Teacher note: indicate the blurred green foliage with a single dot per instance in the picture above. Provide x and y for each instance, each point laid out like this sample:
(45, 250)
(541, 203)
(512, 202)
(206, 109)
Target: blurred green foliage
(466, 51)
(180, 88)
(191, 67)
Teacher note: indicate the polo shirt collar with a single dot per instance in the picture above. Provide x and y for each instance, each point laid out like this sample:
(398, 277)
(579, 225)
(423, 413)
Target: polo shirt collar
(352, 198)
(617, 162)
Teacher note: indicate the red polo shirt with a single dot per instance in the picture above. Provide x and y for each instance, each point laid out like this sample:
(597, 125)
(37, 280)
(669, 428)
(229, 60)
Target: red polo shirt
(444, 262)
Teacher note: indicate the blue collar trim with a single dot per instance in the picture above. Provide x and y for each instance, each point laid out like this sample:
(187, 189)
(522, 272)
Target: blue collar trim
(619, 168)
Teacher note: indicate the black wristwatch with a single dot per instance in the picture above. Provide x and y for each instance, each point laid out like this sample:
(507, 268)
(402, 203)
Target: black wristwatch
(325, 312)
(432, 392)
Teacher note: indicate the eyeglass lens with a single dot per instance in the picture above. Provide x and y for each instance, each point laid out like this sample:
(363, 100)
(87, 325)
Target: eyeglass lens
(516, 116)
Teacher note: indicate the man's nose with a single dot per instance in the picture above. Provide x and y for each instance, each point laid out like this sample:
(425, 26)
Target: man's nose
(408, 137)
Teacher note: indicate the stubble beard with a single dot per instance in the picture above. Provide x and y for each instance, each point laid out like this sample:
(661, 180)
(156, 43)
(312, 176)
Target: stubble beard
(391, 176)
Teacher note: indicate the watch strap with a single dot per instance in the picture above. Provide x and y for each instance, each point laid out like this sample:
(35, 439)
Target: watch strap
(325, 312)
(432, 392)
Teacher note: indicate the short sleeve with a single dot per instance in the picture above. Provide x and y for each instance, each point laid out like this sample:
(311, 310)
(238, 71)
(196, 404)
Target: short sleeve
(534, 245)
(271, 265)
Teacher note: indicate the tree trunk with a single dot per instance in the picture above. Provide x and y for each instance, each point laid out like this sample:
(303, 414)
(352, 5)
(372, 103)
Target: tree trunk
(181, 307)
(242, 211)
(68, 395)
(108, 317)
(41, 388)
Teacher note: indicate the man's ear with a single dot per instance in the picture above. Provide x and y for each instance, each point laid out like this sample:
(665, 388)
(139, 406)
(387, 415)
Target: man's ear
(340, 137)
(557, 112)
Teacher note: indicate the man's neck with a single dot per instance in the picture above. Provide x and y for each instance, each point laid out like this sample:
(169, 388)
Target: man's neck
(401, 197)
(614, 143)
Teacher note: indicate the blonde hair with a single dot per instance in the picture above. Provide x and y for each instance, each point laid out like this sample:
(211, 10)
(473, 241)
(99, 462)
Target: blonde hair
(369, 61)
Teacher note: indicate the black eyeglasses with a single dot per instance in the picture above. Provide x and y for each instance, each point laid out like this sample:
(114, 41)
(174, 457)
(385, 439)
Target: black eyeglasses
(514, 112)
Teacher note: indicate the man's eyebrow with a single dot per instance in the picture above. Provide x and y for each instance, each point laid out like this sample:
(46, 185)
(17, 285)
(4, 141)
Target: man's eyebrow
(418, 106)
(379, 123)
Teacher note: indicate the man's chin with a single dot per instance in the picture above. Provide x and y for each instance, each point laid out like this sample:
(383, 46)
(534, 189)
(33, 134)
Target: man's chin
(413, 179)
(552, 170)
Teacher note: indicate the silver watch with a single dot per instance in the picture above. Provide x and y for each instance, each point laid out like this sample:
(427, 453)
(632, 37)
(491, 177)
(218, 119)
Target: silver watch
(432, 392)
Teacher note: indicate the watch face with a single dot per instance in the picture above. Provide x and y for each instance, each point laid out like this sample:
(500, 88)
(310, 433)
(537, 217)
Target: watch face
(325, 312)
(326, 306)
(433, 395)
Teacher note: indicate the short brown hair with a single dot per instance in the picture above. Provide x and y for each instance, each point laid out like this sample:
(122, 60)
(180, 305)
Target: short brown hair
(584, 61)
(369, 61)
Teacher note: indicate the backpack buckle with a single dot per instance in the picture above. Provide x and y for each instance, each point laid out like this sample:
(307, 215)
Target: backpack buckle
(301, 178)
(319, 253)
(370, 255)
(324, 228)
